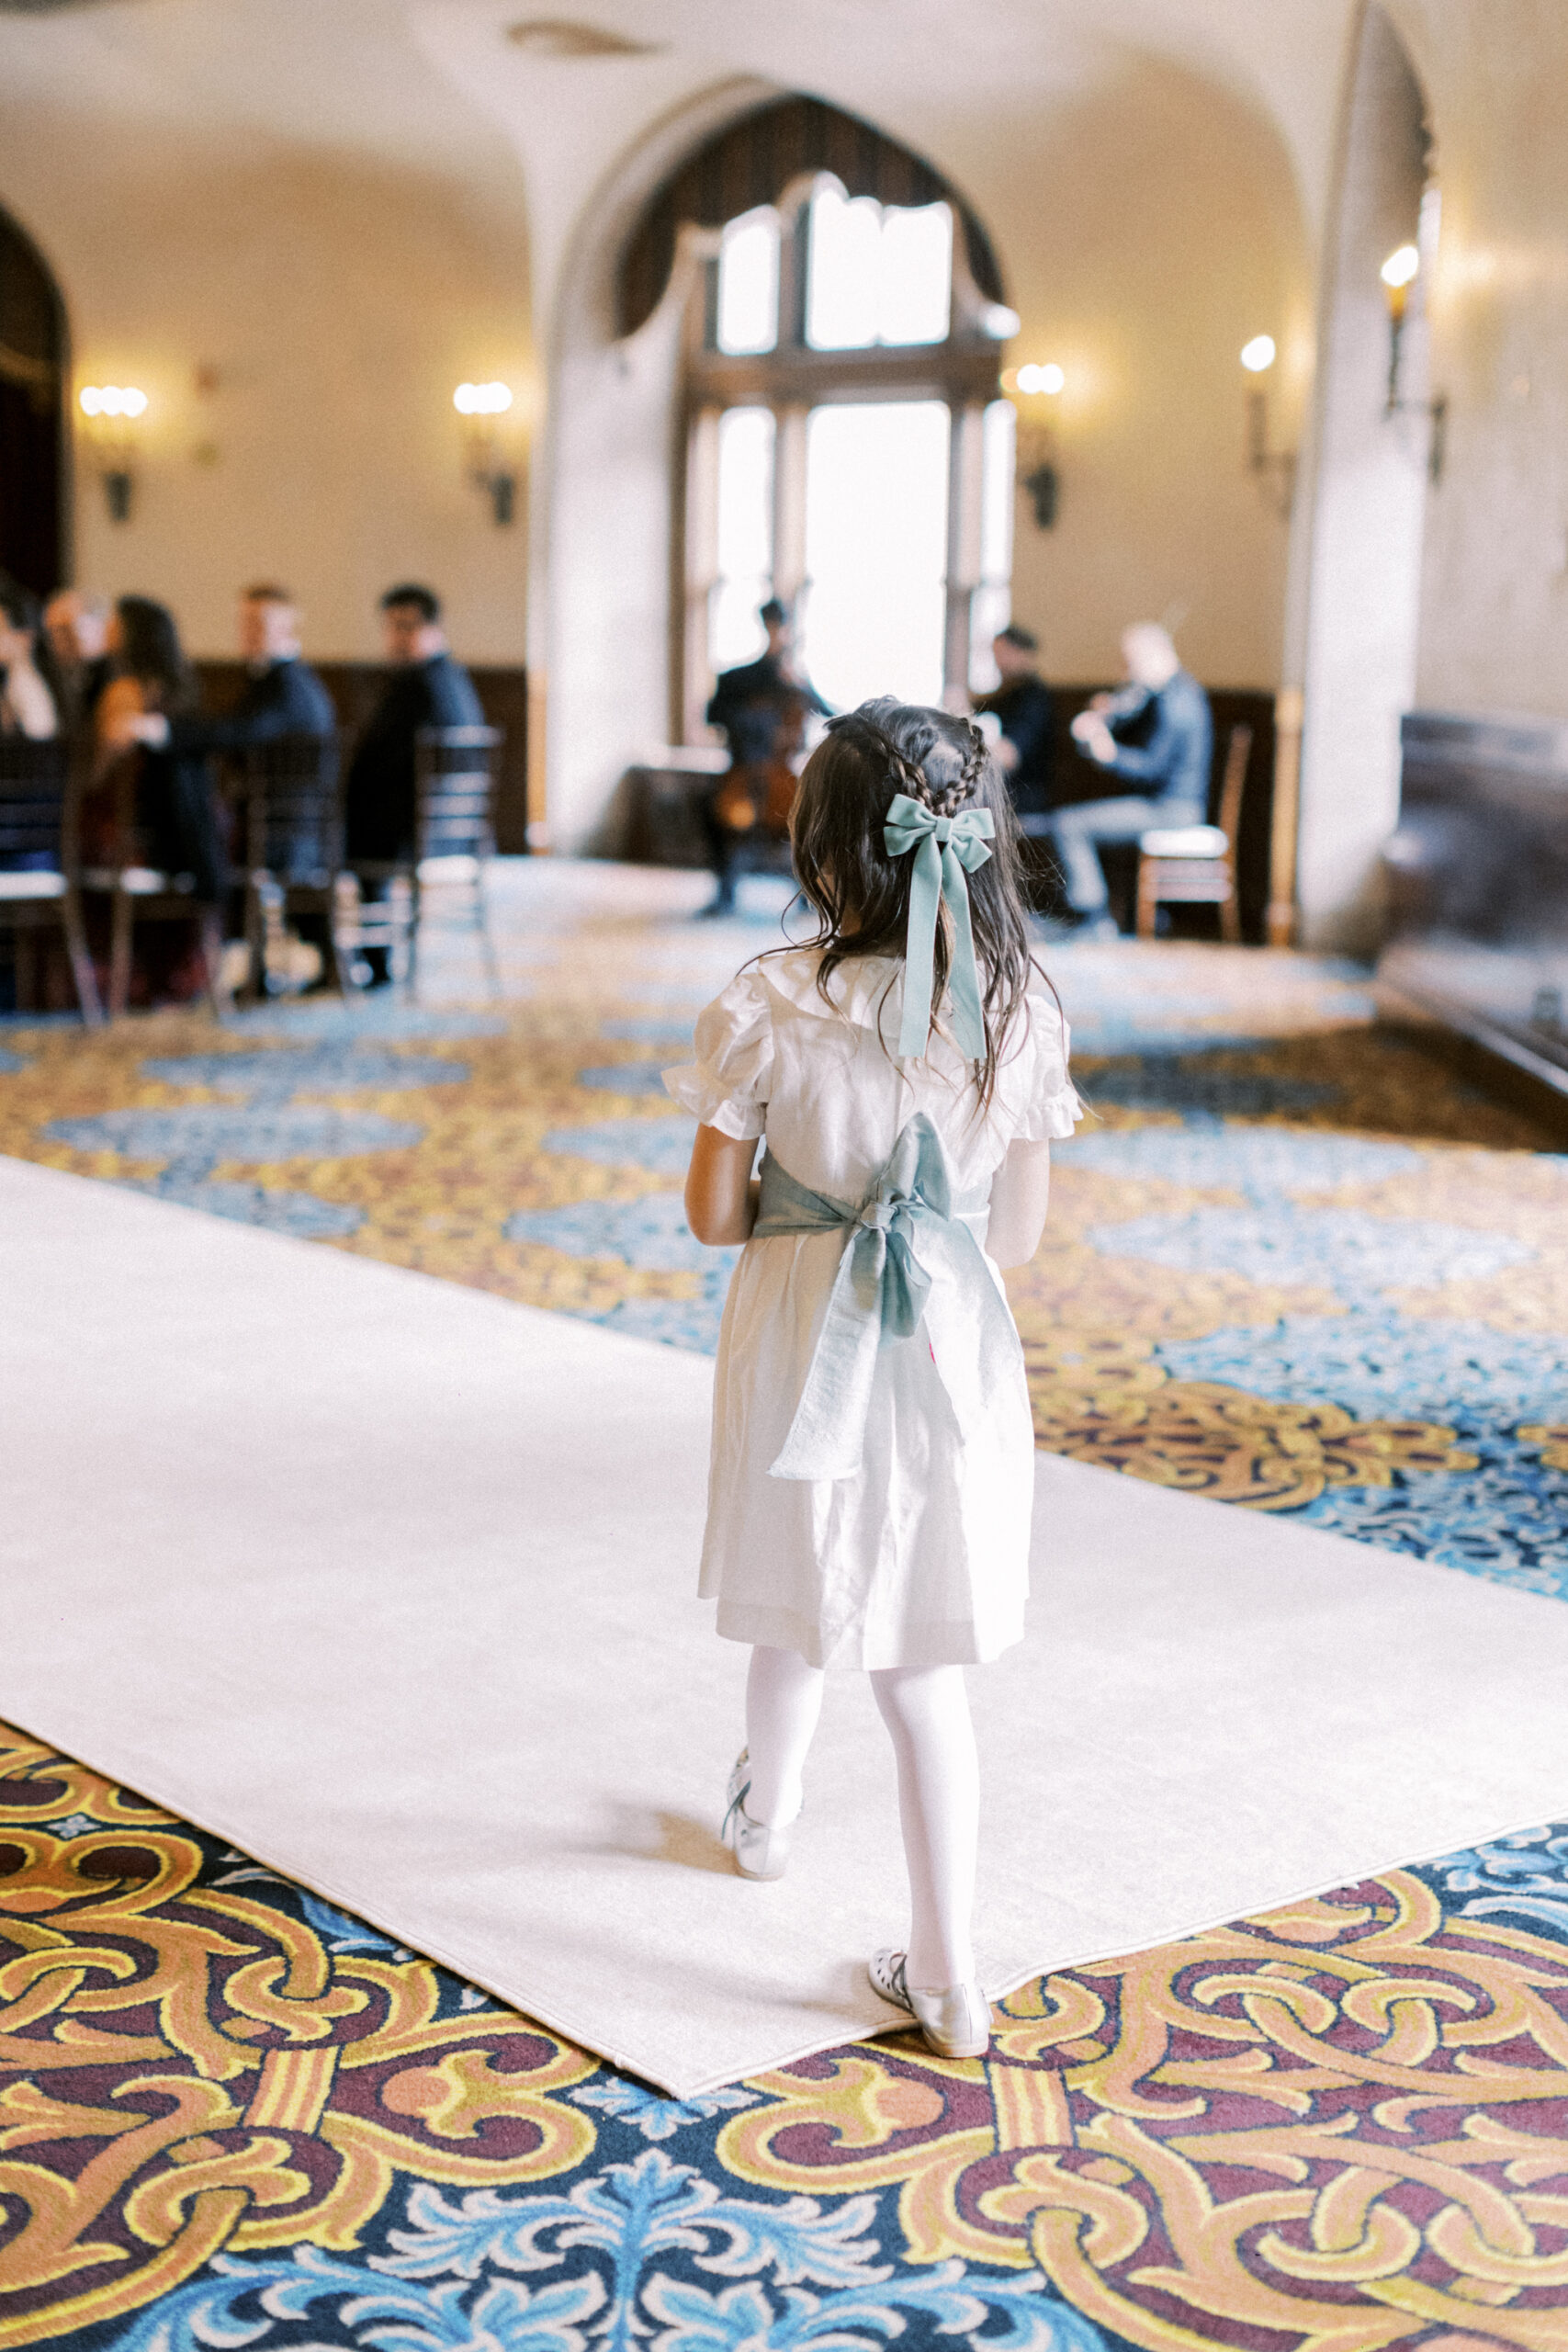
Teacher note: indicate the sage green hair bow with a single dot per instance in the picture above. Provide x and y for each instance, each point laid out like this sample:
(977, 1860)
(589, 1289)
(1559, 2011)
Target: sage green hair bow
(947, 851)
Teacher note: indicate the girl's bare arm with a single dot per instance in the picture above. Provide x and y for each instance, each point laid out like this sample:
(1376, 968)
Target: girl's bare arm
(1020, 1194)
(721, 1198)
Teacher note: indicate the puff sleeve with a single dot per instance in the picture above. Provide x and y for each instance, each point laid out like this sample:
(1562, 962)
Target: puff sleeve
(1048, 1106)
(726, 1086)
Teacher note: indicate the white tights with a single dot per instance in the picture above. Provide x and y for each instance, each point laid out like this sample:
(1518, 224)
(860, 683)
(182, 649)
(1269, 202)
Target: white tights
(926, 1710)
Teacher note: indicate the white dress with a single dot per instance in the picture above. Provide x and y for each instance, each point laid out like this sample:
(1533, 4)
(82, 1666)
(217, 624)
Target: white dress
(920, 1558)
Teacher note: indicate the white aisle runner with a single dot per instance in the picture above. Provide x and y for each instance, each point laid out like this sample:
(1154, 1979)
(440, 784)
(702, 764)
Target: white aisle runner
(390, 1584)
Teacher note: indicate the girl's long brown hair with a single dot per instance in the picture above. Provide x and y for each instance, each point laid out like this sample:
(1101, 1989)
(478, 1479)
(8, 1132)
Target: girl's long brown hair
(860, 896)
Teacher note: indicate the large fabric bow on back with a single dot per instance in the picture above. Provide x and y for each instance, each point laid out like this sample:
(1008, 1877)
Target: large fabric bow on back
(947, 851)
(880, 1291)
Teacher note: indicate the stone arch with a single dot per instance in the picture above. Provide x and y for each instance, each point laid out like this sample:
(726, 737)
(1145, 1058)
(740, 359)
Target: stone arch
(1374, 452)
(34, 370)
(604, 595)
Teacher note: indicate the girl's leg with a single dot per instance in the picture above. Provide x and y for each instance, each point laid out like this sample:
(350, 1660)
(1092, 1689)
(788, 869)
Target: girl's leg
(784, 1698)
(926, 1710)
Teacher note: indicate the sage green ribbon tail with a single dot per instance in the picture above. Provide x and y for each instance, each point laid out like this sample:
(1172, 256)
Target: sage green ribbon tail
(947, 851)
(906, 1230)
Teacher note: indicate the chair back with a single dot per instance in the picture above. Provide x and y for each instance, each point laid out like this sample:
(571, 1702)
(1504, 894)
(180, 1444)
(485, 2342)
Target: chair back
(35, 786)
(454, 768)
(1238, 752)
(294, 828)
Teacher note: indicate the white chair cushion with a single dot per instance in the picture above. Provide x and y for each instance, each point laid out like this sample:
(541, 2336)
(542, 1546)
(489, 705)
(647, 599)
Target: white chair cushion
(458, 869)
(136, 881)
(1185, 841)
(32, 886)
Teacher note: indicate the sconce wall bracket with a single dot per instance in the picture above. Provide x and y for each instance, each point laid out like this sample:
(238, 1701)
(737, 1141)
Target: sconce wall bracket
(1044, 486)
(1274, 469)
(1435, 411)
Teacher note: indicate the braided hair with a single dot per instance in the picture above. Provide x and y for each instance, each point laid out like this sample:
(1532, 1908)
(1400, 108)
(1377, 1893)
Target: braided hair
(861, 895)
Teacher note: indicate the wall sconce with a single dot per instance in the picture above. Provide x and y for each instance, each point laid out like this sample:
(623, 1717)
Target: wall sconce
(478, 405)
(1275, 469)
(1398, 273)
(112, 411)
(1038, 474)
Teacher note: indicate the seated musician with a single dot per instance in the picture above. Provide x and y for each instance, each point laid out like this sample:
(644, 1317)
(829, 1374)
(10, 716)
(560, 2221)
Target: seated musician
(1156, 736)
(761, 708)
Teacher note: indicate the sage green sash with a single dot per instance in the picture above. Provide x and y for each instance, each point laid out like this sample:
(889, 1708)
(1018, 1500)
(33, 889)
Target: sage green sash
(907, 1225)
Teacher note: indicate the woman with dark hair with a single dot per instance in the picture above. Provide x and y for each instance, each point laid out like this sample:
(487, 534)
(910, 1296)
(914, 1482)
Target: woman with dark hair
(176, 811)
(873, 1469)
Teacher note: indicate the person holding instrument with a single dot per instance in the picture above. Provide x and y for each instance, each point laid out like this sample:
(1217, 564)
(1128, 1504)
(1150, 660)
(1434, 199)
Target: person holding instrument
(763, 708)
(1156, 735)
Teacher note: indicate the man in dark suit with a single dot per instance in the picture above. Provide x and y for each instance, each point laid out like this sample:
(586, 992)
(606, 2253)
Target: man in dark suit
(282, 697)
(283, 694)
(426, 688)
(760, 709)
(1021, 706)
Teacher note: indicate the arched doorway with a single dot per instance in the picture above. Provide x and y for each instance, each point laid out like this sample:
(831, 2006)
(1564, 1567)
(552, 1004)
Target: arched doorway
(1375, 460)
(725, 342)
(33, 389)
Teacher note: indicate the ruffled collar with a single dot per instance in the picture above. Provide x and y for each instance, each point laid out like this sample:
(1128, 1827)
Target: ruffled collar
(865, 989)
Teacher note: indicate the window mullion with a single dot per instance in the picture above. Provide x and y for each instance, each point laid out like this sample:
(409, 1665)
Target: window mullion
(789, 504)
(964, 484)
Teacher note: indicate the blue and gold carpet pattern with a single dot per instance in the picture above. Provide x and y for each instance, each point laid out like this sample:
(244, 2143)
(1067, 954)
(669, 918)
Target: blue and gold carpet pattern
(1293, 1263)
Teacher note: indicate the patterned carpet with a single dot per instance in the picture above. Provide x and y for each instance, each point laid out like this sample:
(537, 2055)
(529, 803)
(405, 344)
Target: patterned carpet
(1293, 1263)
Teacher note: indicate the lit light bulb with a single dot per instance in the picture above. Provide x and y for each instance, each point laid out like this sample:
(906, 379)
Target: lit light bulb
(483, 400)
(1401, 266)
(112, 400)
(1257, 355)
(1048, 379)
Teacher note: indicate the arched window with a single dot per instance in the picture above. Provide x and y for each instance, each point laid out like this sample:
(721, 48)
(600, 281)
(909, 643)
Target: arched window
(844, 444)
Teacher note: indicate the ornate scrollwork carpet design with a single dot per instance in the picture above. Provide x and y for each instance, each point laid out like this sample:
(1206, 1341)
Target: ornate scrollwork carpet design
(1294, 1264)
(230, 2115)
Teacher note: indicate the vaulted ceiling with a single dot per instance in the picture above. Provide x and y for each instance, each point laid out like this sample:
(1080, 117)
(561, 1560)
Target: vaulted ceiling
(509, 107)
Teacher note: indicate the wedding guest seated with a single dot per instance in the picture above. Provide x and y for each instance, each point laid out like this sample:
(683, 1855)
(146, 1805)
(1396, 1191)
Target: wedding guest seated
(27, 706)
(427, 688)
(175, 808)
(283, 694)
(1021, 706)
(77, 632)
(1157, 734)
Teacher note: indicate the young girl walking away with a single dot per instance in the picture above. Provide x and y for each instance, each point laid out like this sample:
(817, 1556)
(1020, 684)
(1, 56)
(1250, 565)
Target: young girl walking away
(872, 1454)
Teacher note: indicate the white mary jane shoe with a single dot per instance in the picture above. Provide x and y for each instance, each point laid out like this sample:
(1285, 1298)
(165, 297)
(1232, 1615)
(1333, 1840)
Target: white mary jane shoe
(760, 1852)
(956, 2021)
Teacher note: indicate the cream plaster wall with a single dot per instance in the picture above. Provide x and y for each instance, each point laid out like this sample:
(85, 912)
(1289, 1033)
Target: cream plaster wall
(1494, 592)
(1367, 499)
(1147, 232)
(329, 295)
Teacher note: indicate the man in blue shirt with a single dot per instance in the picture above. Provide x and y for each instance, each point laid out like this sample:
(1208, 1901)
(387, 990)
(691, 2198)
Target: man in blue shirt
(1158, 735)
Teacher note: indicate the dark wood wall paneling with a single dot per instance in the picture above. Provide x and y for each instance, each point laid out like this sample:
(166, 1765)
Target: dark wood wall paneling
(1477, 875)
(354, 687)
